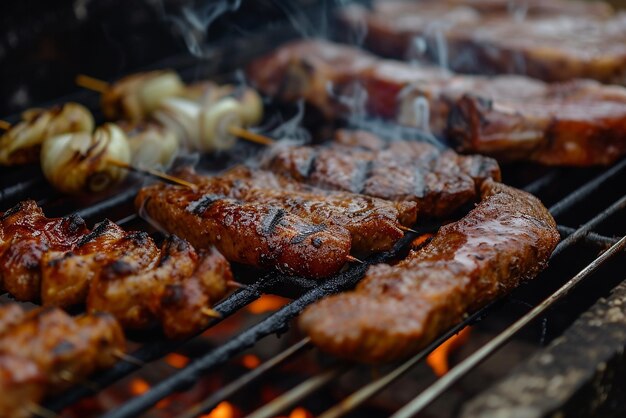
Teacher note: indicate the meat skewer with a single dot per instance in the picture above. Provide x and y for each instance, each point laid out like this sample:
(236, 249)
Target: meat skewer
(47, 351)
(63, 263)
(249, 233)
(375, 225)
(439, 182)
(577, 123)
(396, 310)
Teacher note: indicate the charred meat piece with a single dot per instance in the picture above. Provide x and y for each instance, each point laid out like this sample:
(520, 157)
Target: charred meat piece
(578, 123)
(65, 349)
(439, 182)
(396, 310)
(172, 293)
(249, 233)
(374, 224)
(22, 383)
(11, 314)
(551, 44)
(66, 276)
(25, 236)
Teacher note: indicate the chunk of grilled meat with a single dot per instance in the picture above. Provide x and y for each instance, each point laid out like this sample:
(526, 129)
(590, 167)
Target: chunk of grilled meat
(173, 293)
(439, 182)
(576, 123)
(557, 47)
(22, 384)
(248, 233)
(25, 236)
(66, 276)
(65, 349)
(374, 224)
(396, 310)
(11, 314)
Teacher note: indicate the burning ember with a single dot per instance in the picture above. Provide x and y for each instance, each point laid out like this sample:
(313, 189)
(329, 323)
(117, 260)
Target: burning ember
(267, 303)
(178, 361)
(250, 361)
(438, 360)
(223, 410)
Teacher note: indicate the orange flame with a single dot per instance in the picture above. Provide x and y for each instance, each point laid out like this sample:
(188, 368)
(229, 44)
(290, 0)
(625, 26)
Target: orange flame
(222, 410)
(438, 360)
(300, 413)
(250, 361)
(176, 360)
(267, 303)
(139, 386)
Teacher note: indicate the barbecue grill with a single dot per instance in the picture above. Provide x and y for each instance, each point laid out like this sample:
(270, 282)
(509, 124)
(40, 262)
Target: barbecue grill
(588, 205)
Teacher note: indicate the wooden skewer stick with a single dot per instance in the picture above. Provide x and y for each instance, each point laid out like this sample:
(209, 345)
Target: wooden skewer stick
(250, 136)
(211, 313)
(40, 411)
(4, 125)
(128, 358)
(232, 283)
(354, 259)
(407, 229)
(101, 86)
(154, 173)
(91, 83)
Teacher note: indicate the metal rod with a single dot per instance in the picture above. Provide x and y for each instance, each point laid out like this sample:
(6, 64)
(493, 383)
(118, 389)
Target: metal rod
(585, 190)
(590, 237)
(460, 370)
(301, 391)
(238, 384)
(542, 182)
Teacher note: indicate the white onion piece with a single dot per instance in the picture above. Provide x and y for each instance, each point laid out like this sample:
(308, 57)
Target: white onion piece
(181, 116)
(81, 162)
(154, 90)
(215, 124)
(22, 142)
(152, 145)
(251, 106)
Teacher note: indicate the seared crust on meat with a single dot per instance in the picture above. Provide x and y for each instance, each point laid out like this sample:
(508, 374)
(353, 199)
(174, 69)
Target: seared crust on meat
(374, 224)
(438, 182)
(66, 276)
(397, 310)
(249, 233)
(26, 235)
(21, 383)
(173, 293)
(578, 123)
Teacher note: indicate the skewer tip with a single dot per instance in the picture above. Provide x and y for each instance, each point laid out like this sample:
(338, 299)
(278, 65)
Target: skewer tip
(128, 358)
(407, 229)
(211, 313)
(91, 83)
(4, 125)
(250, 136)
(354, 259)
(234, 284)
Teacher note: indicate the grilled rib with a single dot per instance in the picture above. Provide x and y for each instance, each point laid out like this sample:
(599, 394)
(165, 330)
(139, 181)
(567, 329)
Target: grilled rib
(173, 293)
(439, 182)
(25, 236)
(396, 310)
(560, 44)
(66, 276)
(248, 233)
(374, 224)
(577, 123)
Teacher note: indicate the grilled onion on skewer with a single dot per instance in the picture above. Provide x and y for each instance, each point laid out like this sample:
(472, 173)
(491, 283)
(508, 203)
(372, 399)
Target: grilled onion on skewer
(151, 144)
(21, 143)
(80, 162)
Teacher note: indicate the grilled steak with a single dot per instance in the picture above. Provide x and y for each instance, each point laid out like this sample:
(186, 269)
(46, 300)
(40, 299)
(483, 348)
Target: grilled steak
(552, 45)
(513, 118)
(249, 233)
(397, 310)
(439, 182)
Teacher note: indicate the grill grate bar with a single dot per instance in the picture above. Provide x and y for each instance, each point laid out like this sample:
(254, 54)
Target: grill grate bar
(238, 384)
(460, 370)
(584, 191)
(590, 237)
(542, 182)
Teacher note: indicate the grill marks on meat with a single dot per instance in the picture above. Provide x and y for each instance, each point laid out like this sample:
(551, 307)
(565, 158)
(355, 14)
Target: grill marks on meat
(173, 294)
(438, 182)
(25, 236)
(47, 351)
(249, 233)
(374, 224)
(565, 44)
(174, 283)
(396, 310)
(577, 123)
(66, 276)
